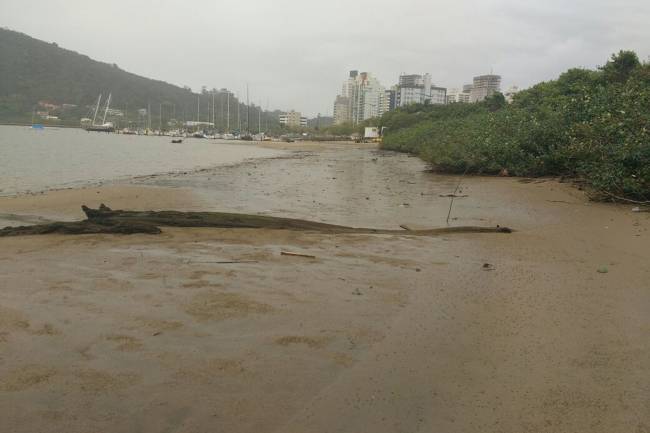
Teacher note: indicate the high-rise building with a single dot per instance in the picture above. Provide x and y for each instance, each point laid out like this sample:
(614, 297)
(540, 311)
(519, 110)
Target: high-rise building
(342, 110)
(438, 95)
(293, 119)
(417, 89)
(391, 98)
(366, 99)
(456, 95)
(484, 86)
(415, 80)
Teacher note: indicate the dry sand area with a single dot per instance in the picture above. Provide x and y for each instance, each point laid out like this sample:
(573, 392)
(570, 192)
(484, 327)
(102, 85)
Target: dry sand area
(378, 333)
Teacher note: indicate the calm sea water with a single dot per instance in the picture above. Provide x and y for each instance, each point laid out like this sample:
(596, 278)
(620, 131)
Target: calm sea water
(34, 161)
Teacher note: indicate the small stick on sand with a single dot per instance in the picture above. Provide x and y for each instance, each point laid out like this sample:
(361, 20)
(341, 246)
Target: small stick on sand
(228, 262)
(288, 253)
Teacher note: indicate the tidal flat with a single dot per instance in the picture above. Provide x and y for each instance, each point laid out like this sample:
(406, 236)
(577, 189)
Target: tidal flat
(201, 329)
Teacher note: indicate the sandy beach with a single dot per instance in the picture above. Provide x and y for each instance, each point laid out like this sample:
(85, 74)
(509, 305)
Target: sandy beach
(202, 330)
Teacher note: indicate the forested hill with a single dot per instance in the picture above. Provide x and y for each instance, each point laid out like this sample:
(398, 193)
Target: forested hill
(32, 70)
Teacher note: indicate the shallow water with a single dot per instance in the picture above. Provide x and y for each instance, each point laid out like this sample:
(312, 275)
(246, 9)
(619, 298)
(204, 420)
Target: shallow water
(355, 187)
(34, 161)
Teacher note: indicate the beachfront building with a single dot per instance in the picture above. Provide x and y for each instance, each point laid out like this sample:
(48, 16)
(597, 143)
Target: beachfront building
(484, 86)
(342, 110)
(459, 96)
(438, 95)
(365, 96)
(293, 119)
(413, 89)
(391, 98)
(417, 89)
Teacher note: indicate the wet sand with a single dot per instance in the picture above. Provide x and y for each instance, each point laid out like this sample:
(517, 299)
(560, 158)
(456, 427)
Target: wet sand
(377, 333)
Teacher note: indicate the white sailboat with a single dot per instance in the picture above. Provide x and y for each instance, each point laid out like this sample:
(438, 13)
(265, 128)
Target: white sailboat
(105, 126)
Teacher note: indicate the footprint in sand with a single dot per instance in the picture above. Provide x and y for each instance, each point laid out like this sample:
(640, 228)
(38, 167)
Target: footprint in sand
(313, 342)
(221, 306)
(125, 343)
(97, 381)
(26, 377)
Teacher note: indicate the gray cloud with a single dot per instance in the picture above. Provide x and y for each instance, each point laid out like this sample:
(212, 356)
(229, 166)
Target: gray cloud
(296, 53)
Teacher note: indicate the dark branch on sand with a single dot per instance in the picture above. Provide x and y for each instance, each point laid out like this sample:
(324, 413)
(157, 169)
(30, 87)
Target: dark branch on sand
(106, 220)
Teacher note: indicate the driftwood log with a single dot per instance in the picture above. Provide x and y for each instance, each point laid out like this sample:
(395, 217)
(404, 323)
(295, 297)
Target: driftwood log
(106, 220)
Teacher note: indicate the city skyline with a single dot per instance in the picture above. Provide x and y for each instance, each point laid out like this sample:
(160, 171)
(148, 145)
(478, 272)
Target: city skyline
(280, 51)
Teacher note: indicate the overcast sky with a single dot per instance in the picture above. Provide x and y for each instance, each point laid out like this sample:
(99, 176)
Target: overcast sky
(296, 53)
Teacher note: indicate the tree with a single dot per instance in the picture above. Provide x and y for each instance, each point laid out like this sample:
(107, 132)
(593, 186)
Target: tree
(619, 68)
(496, 101)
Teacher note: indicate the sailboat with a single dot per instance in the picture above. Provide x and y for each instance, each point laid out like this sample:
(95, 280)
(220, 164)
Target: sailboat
(37, 126)
(104, 126)
(247, 136)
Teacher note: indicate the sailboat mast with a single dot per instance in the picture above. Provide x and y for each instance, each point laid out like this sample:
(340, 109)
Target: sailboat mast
(228, 115)
(221, 110)
(248, 111)
(108, 103)
(99, 100)
(238, 115)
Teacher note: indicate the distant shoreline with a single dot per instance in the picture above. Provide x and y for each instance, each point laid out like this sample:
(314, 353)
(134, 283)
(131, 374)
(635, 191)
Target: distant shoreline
(45, 125)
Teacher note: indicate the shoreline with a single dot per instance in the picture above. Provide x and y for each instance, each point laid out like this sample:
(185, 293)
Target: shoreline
(290, 149)
(64, 203)
(130, 179)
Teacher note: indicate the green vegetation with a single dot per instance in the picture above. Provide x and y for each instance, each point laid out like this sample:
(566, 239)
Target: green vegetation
(591, 125)
(33, 71)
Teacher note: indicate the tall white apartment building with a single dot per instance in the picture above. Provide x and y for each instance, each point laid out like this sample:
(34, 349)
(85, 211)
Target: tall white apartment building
(417, 89)
(342, 110)
(484, 86)
(456, 95)
(438, 95)
(366, 98)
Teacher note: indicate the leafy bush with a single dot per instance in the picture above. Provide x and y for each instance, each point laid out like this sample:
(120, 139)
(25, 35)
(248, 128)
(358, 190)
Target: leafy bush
(589, 124)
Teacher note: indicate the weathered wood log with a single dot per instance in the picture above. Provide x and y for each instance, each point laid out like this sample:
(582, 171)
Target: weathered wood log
(106, 220)
(80, 228)
(232, 220)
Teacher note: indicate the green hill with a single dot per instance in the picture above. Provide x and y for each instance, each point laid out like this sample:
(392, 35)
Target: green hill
(32, 70)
